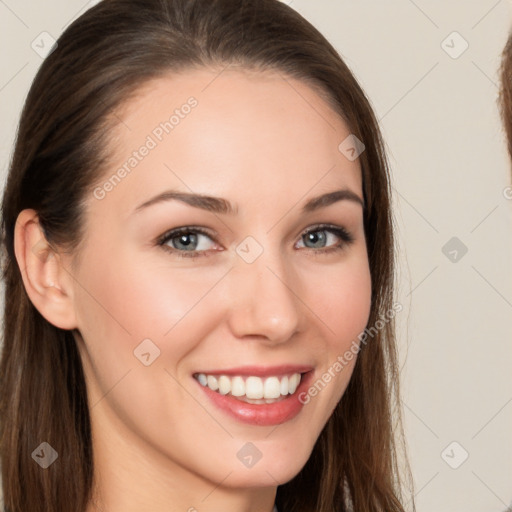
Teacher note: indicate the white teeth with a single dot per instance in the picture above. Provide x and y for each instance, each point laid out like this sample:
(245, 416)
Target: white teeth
(252, 388)
(272, 388)
(238, 386)
(284, 385)
(293, 382)
(224, 385)
(212, 382)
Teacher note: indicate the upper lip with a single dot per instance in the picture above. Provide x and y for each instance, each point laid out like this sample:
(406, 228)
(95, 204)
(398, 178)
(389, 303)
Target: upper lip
(260, 371)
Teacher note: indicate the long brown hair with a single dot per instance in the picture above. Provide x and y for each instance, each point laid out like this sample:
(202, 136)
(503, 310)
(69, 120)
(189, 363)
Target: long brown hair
(61, 151)
(505, 97)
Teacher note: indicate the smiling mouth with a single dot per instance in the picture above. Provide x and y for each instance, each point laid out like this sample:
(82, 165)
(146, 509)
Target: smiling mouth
(252, 389)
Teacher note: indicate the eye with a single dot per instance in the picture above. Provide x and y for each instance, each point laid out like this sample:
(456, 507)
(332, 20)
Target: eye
(188, 242)
(192, 242)
(322, 238)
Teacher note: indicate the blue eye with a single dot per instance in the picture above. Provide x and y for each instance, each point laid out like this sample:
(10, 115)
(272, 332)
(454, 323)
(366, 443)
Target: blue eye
(192, 241)
(320, 235)
(186, 241)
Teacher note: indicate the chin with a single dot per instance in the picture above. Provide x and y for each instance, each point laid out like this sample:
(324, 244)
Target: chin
(276, 466)
(264, 477)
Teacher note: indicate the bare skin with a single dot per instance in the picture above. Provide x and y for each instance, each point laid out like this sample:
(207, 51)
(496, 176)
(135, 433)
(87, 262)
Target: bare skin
(159, 442)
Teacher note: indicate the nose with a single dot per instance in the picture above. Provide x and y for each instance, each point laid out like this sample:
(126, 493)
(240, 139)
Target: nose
(262, 301)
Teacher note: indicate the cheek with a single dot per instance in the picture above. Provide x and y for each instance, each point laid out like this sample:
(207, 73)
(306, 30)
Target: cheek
(342, 301)
(127, 299)
(342, 304)
(123, 305)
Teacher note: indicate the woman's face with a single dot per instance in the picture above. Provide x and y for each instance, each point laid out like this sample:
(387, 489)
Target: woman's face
(237, 161)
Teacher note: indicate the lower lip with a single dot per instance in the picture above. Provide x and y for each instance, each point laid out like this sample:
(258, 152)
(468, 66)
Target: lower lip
(261, 414)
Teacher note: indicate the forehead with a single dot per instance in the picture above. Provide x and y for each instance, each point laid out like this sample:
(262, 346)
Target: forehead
(228, 132)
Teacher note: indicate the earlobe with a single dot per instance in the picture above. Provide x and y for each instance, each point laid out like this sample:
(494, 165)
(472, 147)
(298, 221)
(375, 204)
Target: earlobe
(46, 281)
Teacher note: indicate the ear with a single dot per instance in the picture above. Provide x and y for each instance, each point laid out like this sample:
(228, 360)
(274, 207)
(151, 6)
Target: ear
(47, 282)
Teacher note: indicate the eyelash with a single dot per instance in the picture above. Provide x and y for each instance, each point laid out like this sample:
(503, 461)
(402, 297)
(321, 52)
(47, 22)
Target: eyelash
(342, 233)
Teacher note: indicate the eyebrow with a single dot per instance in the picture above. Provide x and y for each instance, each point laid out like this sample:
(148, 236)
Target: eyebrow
(220, 205)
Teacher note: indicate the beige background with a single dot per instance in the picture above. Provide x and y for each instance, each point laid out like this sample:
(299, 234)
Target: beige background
(437, 106)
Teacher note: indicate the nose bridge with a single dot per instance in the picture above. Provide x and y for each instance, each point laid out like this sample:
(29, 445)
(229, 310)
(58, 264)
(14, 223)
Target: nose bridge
(263, 302)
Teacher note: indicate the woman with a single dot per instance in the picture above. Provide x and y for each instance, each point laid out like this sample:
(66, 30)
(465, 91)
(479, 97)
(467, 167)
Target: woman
(198, 266)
